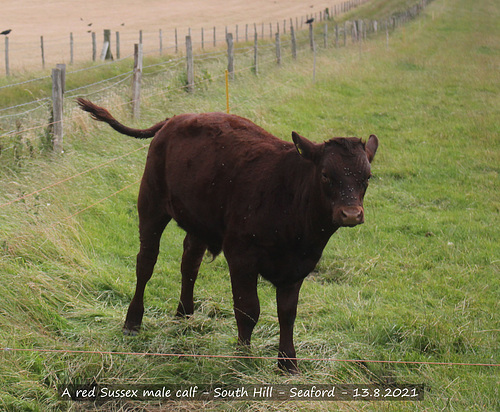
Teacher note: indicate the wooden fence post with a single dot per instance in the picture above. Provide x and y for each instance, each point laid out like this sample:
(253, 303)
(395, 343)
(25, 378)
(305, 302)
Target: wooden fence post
(136, 81)
(294, 42)
(117, 45)
(311, 36)
(57, 110)
(94, 47)
(43, 52)
(255, 53)
(278, 49)
(71, 49)
(107, 39)
(7, 68)
(160, 35)
(62, 67)
(230, 54)
(190, 64)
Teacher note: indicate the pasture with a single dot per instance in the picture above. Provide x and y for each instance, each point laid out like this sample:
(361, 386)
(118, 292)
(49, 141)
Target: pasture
(418, 282)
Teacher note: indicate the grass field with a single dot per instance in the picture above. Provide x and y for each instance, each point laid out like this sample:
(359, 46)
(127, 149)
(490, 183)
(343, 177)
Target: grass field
(418, 282)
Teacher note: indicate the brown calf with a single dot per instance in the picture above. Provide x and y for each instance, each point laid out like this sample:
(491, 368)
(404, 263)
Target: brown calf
(270, 205)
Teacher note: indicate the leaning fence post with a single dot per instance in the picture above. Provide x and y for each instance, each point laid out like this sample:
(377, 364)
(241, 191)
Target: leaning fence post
(190, 64)
(57, 109)
(136, 81)
(230, 54)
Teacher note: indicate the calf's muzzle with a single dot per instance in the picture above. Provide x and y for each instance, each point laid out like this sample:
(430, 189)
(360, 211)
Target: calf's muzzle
(351, 216)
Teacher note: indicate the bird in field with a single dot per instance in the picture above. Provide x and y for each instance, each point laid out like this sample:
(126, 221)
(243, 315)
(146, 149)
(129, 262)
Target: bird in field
(5, 32)
(310, 21)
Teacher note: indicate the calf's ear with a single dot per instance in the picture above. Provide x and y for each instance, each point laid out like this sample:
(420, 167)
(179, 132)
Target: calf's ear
(371, 147)
(307, 149)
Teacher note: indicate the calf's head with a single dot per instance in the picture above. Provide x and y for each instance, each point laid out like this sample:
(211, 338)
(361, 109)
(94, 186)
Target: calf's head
(342, 171)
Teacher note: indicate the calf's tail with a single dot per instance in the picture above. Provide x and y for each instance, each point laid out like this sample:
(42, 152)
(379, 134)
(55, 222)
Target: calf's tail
(102, 115)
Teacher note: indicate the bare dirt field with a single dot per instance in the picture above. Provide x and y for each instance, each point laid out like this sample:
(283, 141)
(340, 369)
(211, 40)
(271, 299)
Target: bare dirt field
(56, 19)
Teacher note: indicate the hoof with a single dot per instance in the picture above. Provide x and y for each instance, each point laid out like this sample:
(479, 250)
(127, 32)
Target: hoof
(288, 366)
(130, 332)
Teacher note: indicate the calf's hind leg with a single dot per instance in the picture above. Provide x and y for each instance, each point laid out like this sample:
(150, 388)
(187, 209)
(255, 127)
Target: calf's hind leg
(194, 250)
(150, 230)
(287, 298)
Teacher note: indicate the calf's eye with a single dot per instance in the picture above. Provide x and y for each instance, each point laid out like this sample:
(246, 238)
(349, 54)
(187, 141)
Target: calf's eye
(325, 178)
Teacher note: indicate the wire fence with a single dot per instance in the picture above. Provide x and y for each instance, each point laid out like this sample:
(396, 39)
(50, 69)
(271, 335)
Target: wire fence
(23, 124)
(83, 45)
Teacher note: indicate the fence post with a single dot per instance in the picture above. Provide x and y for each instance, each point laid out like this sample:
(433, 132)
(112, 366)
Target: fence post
(105, 48)
(71, 49)
(7, 68)
(255, 53)
(176, 43)
(294, 42)
(311, 36)
(94, 47)
(62, 67)
(117, 45)
(43, 52)
(57, 110)
(190, 64)
(136, 81)
(107, 39)
(278, 49)
(325, 36)
(230, 54)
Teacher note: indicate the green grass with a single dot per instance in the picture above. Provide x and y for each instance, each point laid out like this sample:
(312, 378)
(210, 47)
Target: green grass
(417, 282)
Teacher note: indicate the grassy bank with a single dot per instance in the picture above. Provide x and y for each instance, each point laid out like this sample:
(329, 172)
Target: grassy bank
(417, 282)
